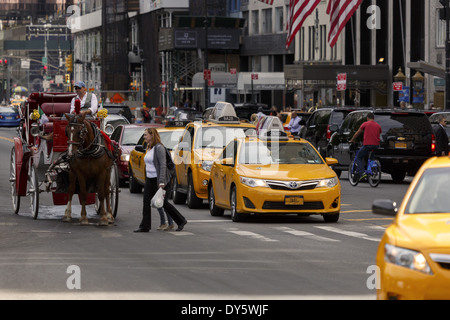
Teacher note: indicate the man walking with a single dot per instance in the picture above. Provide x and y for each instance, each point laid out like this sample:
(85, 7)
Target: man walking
(441, 137)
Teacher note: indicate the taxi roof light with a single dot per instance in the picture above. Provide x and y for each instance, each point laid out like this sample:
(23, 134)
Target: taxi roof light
(271, 128)
(224, 112)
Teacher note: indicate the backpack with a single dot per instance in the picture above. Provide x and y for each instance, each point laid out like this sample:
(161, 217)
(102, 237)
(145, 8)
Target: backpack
(170, 165)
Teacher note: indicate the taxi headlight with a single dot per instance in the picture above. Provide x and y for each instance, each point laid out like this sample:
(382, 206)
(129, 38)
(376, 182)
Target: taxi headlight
(410, 259)
(125, 157)
(328, 183)
(251, 182)
(206, 165)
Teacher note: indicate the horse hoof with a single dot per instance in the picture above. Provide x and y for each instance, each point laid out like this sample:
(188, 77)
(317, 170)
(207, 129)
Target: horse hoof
(66, 219)
(84, 222)
(103, 223)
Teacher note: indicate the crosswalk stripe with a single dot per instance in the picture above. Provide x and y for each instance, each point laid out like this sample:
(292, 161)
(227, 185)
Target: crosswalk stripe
(252, 235)
(348, 233)
(305, 234)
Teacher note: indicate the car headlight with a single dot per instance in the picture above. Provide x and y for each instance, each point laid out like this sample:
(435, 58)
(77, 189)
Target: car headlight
(206, 165)
(410, 259)
(124, 157)
(251, 182)
(328, 183)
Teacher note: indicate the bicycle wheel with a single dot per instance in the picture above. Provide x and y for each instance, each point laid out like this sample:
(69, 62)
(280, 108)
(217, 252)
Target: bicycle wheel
(375, 177)
(352, 176)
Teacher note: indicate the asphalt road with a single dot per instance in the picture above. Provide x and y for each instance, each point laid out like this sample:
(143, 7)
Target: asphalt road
(264, 258)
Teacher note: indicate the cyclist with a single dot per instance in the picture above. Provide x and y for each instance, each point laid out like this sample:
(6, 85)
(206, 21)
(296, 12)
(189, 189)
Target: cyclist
(371, 142)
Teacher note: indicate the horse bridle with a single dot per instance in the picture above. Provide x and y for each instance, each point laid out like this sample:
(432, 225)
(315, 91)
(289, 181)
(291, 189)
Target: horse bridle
(82, 136)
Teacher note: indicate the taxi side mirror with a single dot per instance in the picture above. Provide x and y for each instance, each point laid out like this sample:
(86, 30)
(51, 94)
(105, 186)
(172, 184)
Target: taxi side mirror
(139, 148)
(385, 207)
(331, 161)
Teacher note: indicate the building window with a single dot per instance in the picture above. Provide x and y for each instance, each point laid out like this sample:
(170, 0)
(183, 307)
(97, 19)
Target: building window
(279, 21)
(255, 22)
(440, 32)
(267, 20)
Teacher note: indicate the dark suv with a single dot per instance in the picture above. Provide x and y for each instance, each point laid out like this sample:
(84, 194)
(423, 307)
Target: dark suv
(245, 110)
(317, 128)
(407, 140)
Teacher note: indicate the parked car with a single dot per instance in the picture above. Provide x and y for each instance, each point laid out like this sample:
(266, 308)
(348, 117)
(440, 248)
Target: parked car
(413, 256)
(407, 141)
(318, 126)
(120, 109)
(111, 122)
(244, 111)
(127, 136)
(9, 116)
(183, 114)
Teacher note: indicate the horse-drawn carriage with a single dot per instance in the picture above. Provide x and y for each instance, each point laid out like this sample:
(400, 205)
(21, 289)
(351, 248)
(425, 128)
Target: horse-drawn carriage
(82, 164)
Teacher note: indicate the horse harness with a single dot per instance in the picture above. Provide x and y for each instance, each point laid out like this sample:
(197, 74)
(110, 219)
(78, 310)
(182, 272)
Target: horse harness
(98, 150)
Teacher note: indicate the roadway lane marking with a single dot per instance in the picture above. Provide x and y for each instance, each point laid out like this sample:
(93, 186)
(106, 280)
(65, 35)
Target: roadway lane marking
(305, 234)
(348, 233)
(252, 235)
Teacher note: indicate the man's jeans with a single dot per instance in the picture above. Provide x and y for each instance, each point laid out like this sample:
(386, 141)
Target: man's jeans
(363, 152)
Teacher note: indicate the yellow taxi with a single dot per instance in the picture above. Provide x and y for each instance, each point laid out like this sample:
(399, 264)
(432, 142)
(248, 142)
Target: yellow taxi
(201, 143)
(170, 135)
(413, 256)
(272, 173)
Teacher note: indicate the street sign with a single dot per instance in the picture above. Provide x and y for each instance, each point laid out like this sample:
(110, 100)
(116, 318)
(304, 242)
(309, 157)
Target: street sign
(233, 70)
(207, 74)
(254, 76)
(398, 86)
(210, 83)
(163, 86)
(341, 82)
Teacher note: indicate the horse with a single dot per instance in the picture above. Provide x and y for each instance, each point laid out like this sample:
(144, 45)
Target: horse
(90, 163)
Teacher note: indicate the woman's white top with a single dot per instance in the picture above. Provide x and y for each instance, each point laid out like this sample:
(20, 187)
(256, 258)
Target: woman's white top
(150, 169)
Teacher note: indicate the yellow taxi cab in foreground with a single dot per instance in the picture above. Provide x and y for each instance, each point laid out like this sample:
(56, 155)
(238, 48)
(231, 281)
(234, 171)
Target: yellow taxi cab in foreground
(414, 253)
(201, 143)
(272, 173)
(170, 135)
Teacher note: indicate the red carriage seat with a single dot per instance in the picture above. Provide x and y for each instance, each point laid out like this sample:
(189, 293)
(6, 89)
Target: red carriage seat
(54, 111)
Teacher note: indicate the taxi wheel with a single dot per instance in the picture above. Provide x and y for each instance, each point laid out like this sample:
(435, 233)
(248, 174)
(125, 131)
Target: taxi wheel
(192, 200)
(235, 216)
(134, 186)
(213, 209)
(177, 196)
(334, 217)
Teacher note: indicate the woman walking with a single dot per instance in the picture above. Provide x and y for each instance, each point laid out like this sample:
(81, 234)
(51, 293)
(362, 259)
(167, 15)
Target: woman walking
(157, 176)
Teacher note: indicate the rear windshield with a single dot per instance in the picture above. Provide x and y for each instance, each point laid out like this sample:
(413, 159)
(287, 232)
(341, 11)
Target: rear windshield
(405, 123)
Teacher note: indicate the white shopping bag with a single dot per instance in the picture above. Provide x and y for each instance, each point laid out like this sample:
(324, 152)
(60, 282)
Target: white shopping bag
(158, 198)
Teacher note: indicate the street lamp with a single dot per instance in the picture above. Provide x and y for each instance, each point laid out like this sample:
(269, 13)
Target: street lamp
(417, 83)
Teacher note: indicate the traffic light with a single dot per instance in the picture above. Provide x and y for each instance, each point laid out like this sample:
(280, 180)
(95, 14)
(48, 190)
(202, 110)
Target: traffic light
(69, 63)
(68, 78)
(45, 69)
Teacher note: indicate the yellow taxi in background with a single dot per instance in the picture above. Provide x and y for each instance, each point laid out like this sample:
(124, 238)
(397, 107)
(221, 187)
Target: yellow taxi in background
(201, 143)
(271, 173)
(414, 253)
(170, 136)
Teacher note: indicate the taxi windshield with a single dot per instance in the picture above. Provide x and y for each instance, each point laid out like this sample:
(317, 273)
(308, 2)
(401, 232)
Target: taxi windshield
(278, 153)
(218, 137)
(170, 138)
(431, 193)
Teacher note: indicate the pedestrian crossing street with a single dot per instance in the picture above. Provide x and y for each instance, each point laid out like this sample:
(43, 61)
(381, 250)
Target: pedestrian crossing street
(323, 233)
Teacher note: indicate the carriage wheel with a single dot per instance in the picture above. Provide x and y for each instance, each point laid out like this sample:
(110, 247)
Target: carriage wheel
(13, 182)
(33, 191)
(114, 192)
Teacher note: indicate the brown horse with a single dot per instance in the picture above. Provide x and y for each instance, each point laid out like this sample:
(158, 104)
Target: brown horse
(90, 165)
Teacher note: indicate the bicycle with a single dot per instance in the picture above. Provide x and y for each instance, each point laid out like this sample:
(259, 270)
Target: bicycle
(372, 171)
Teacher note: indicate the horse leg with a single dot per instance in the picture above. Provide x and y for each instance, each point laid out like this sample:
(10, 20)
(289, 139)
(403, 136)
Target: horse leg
(101, 198)
(108, 198)
(71, 190)
(83, 195)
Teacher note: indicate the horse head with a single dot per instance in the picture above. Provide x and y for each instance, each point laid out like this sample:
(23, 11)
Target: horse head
(77, 133)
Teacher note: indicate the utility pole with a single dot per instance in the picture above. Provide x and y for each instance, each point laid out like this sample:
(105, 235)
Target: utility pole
(206, 105)
(446, 5)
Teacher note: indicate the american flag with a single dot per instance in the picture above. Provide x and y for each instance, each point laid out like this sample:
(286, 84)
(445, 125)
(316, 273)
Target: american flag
(340, 12)
(267, 1)
(299, 10)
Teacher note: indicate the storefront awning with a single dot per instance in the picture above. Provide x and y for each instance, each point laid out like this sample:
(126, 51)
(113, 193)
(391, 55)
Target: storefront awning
(243, 80)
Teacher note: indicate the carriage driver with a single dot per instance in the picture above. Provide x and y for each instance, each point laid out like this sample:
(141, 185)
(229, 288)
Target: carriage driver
(89, 101)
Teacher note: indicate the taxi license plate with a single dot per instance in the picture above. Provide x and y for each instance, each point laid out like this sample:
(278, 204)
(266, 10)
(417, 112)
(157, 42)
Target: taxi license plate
(8, 118)
(293, 200)
(400, 145)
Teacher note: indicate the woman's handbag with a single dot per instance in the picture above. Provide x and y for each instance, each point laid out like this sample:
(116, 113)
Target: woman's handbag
(158, 198)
